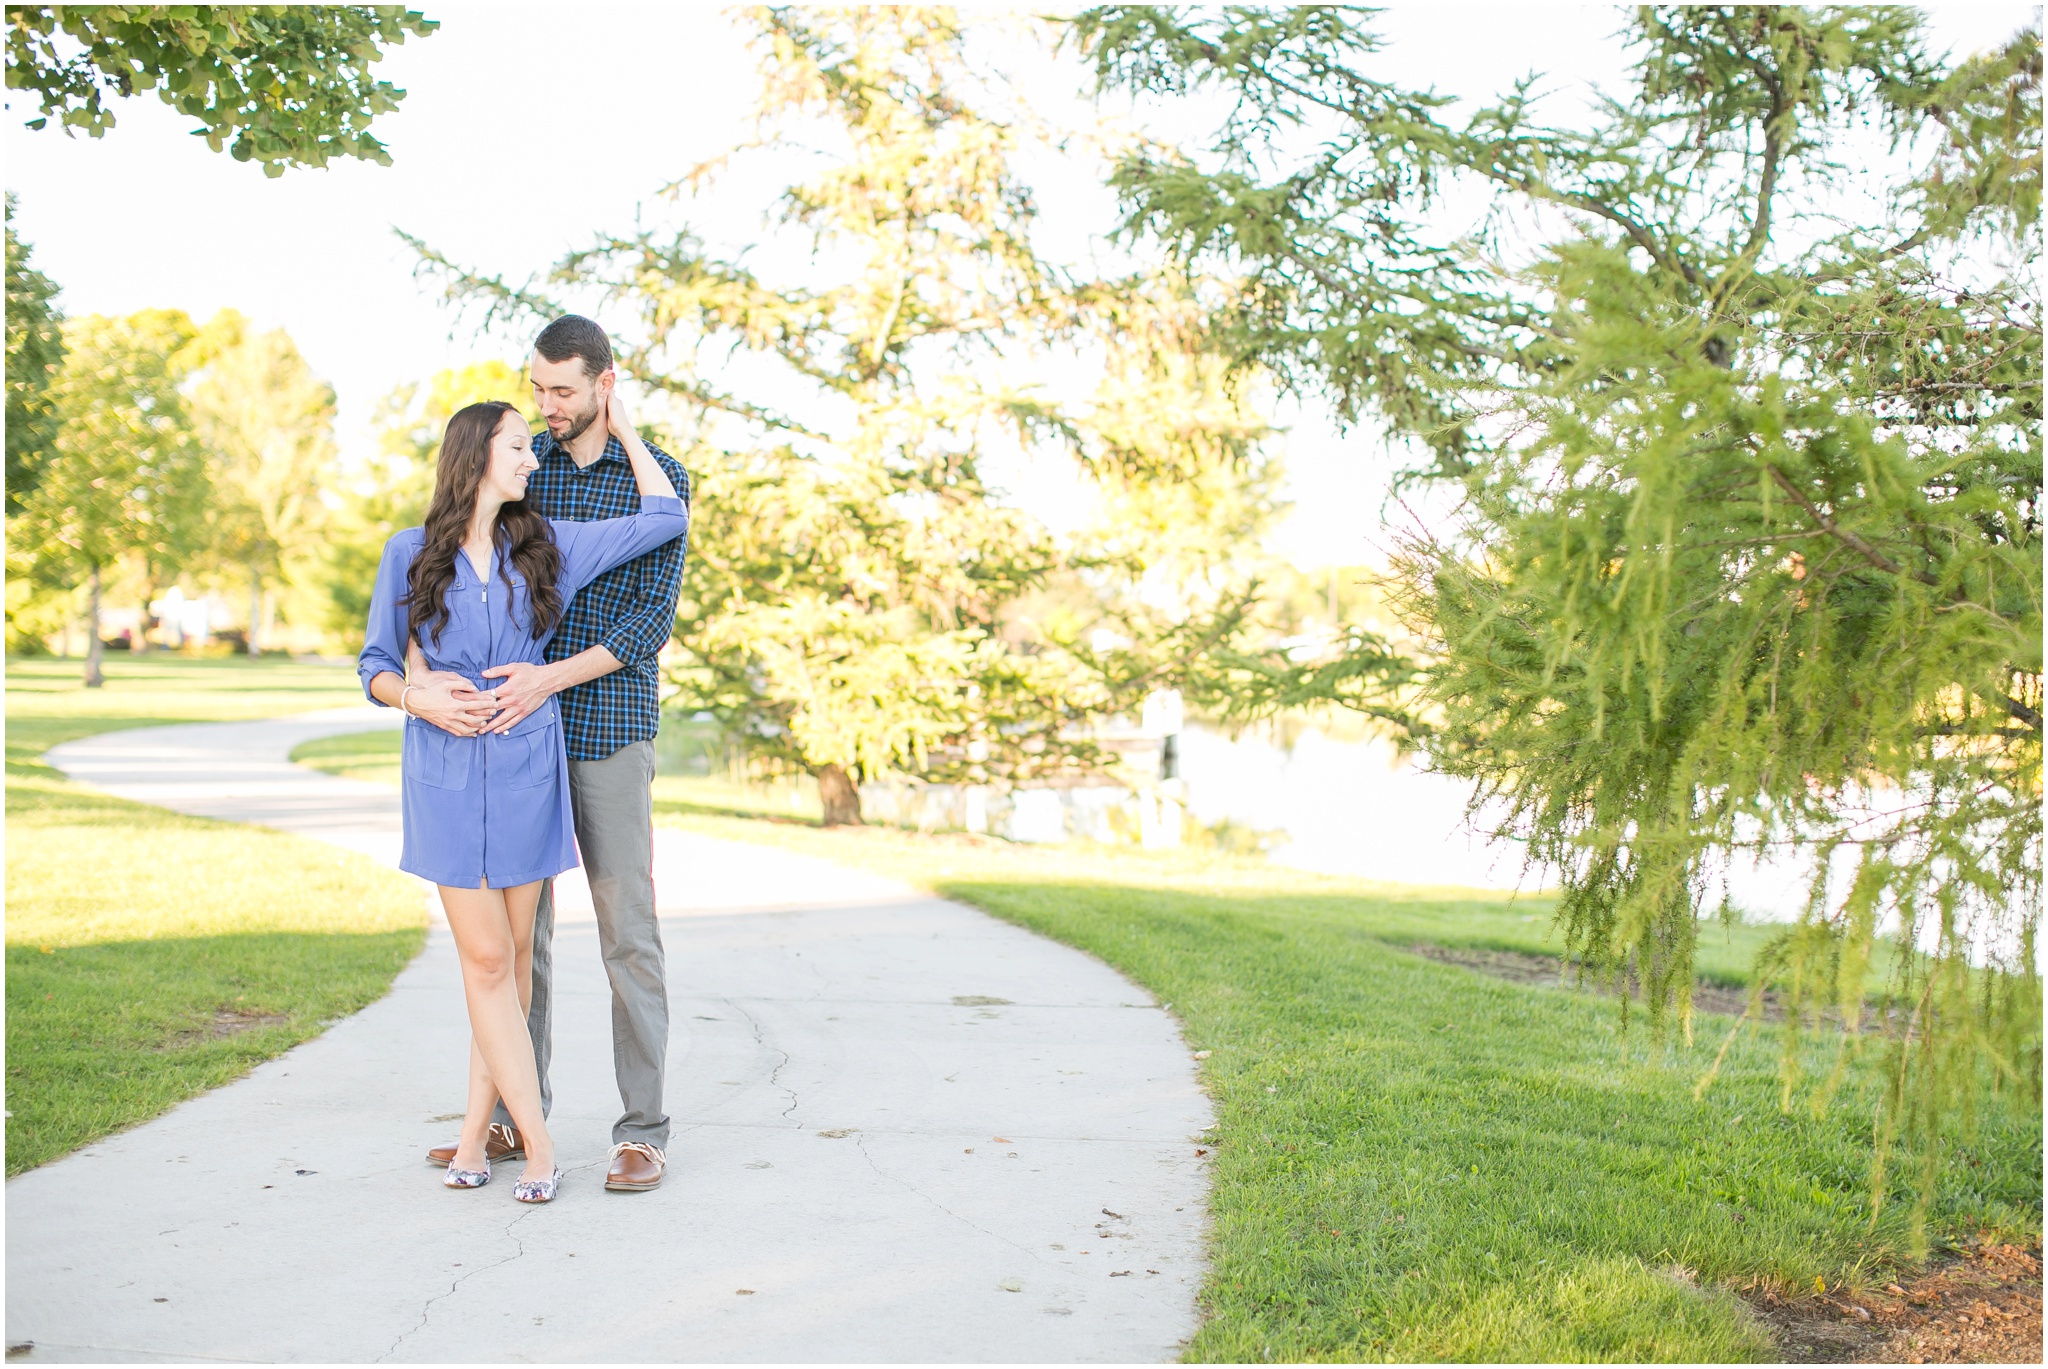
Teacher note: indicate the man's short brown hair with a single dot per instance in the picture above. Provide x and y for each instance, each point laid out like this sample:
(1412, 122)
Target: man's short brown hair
(573, 335)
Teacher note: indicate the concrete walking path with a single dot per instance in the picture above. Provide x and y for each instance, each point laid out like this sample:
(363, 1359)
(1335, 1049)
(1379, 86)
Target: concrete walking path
(904, 1131)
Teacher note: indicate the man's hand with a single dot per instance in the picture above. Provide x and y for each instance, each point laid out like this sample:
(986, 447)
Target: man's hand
(457, 709)
(525, 688)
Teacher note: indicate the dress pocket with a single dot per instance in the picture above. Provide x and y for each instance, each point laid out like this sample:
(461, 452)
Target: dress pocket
(532, 758)
(435, 758)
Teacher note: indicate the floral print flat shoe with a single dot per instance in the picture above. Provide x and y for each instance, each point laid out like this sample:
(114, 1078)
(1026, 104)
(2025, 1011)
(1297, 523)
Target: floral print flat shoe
(538, 1190)
(467, 1178)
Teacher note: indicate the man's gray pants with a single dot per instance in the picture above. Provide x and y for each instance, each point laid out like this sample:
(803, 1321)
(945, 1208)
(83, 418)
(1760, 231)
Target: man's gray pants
(613, 801)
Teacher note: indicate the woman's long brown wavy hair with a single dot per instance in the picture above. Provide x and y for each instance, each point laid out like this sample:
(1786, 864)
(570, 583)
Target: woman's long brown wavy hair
(523, 535)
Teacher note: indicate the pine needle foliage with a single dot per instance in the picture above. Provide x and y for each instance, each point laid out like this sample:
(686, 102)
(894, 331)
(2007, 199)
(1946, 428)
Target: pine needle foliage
(1738, 375)
(862, 599)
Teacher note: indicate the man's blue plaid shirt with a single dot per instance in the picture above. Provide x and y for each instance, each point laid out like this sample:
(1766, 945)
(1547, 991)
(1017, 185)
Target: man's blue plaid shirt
(630, 610)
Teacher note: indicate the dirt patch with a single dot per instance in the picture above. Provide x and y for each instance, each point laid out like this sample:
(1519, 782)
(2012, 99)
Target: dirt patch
(1554, 972)
(224, 1023)
(1981, 1306)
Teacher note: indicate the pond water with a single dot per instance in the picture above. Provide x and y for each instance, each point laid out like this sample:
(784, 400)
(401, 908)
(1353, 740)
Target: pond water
(1358, 807)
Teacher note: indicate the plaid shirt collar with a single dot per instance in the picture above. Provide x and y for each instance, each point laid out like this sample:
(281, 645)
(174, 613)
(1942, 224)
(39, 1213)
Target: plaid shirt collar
(545, 448)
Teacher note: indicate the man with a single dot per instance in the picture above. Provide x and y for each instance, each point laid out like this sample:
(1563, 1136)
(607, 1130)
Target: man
(602, 663)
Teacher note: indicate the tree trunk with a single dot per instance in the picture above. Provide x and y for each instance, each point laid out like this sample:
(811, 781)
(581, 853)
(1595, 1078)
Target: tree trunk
(93, 678)
(255, 637)
(140, 642)
(837, 794)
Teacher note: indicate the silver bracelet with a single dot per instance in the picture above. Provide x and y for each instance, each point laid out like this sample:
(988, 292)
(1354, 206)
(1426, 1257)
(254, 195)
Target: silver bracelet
(401, 699)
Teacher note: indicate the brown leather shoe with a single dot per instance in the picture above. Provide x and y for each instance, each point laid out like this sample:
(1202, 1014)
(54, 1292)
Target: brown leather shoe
(500, 1143)
(636, 1167)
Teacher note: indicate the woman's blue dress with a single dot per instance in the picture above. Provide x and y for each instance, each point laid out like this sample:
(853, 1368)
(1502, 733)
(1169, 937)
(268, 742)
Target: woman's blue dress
(491, 809)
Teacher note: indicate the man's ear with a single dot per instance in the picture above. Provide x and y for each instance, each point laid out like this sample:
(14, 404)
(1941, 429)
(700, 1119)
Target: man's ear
(606, 381)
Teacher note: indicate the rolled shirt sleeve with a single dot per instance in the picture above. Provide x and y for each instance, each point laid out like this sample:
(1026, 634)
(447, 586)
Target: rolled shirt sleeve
(384, 636)
(637, 636)
(629, 610)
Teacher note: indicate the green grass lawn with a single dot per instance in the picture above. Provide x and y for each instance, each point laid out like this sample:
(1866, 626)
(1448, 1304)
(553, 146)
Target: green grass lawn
(152, 956)
(1417, 1162)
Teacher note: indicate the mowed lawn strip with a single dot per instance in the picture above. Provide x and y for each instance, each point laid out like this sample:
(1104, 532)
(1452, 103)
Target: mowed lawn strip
(1417, 1162)
(152, 956)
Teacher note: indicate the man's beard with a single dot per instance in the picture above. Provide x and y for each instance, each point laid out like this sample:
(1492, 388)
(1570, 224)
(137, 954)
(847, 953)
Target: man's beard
(580, 425)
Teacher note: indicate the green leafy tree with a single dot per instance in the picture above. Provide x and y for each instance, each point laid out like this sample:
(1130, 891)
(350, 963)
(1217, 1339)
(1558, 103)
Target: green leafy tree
(855, 602)
(127, 480)
(35, 349)
(1749, 556)
(279, 85)
(267, 423)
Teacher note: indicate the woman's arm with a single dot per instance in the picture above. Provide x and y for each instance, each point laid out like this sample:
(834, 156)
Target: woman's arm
(387, 645)
(389, 689)
(653, 479)
(590, 549)
(386, 632)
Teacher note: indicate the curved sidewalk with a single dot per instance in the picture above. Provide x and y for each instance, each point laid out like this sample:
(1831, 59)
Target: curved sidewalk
(904, 1131)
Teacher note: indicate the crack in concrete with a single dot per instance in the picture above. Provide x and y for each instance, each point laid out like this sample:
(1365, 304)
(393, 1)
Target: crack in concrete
(860, 1139)
(145, 1356)
(774, 1075)
(818, 992)
(427, 1311)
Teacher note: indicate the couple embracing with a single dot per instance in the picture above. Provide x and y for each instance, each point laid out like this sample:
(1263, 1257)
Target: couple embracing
(518, 631)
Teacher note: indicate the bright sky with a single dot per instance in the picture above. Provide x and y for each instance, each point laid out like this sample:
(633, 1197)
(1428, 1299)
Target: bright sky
(529, 129)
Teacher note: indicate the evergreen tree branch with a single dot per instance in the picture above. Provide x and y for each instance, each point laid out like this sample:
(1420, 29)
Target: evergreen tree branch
(1844, 535)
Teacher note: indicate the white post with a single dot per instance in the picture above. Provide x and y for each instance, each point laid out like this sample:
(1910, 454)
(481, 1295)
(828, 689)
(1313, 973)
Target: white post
(255, 636)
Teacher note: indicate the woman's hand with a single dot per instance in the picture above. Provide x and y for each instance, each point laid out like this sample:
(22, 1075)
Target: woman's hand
(647, 471)
(618, 419)
(462, 712)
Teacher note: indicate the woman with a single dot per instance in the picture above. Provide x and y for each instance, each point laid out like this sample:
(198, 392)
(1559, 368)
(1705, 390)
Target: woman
(487, 817)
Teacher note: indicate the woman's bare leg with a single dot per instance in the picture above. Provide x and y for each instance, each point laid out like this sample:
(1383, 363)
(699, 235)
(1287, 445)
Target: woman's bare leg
(522, 901)
(486, 939)
(483, 1097)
